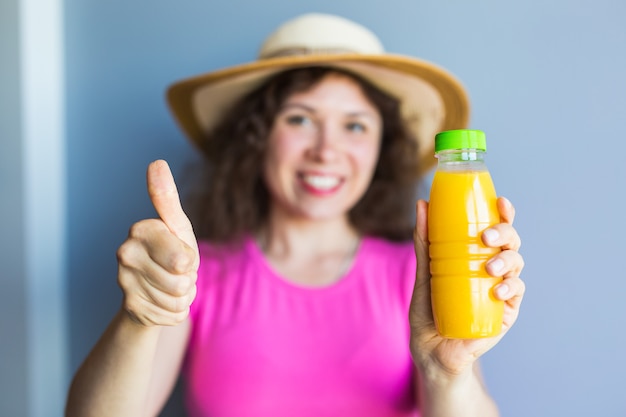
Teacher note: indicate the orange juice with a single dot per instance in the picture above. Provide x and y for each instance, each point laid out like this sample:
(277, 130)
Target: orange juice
(462, 205)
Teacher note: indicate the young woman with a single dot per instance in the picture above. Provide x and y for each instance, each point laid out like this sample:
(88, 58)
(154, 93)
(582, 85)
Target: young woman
(304, 289)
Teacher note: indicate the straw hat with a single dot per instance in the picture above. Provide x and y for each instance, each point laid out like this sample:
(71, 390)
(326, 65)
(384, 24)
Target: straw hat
(432, 99)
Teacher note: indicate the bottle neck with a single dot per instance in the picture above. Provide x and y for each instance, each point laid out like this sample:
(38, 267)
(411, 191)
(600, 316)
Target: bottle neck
(462, 159)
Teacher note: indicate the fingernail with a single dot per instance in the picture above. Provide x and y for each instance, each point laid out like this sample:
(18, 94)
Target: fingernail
(496, 265)
(491, 235)
(502, 290)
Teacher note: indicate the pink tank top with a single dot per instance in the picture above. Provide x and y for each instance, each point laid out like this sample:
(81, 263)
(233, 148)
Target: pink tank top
(263, 346)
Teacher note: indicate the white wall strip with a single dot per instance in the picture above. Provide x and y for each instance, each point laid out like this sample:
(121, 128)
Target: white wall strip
(42, 66)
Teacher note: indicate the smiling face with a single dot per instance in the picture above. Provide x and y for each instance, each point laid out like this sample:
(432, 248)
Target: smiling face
(323, 149)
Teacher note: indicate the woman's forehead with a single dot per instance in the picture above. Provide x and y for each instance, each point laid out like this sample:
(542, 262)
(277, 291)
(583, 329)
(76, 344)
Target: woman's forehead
(334, 91)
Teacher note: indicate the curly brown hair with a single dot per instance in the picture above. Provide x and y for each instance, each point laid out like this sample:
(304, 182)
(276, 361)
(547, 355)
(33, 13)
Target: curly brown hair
(229, 198)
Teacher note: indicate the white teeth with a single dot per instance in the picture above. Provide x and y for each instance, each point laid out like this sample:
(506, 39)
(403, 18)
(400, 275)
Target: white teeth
(321, 182)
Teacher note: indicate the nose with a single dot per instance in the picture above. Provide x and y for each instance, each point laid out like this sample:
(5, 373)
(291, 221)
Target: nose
(324, 146)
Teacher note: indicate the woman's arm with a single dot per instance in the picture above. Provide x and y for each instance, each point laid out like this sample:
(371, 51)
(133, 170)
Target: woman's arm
(130, 372)
(133, 367)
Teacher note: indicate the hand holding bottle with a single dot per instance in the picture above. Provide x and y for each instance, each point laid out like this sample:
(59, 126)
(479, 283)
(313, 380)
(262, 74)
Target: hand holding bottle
(453, 357)
(468, 291)
(159, 260)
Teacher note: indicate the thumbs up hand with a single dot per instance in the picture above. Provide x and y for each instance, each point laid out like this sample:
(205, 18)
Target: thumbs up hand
(158, 262)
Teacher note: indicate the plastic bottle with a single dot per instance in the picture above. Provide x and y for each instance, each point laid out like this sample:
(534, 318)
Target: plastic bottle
(462, 205)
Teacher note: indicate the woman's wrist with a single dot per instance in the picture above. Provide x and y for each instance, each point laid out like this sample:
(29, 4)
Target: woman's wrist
(436, 376)
(445, 393)
(130, 324)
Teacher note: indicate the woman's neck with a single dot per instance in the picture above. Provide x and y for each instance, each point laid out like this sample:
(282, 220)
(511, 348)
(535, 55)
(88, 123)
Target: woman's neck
(309, 252)
(291, 235)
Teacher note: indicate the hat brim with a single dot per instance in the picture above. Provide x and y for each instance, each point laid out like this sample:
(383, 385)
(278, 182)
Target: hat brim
(431, 98)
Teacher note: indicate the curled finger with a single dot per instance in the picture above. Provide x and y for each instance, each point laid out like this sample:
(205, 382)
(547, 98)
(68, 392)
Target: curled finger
(502, 235)
(511, 290)
(508, 263)
(506, 210)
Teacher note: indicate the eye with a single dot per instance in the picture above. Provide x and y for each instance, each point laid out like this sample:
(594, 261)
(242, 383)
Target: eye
(297, 120)
(356, 127)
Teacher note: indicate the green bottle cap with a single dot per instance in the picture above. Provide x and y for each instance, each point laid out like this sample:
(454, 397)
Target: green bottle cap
(460, 139)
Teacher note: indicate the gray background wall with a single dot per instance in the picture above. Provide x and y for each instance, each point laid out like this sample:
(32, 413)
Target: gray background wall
(547, 84)
(13, 359)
